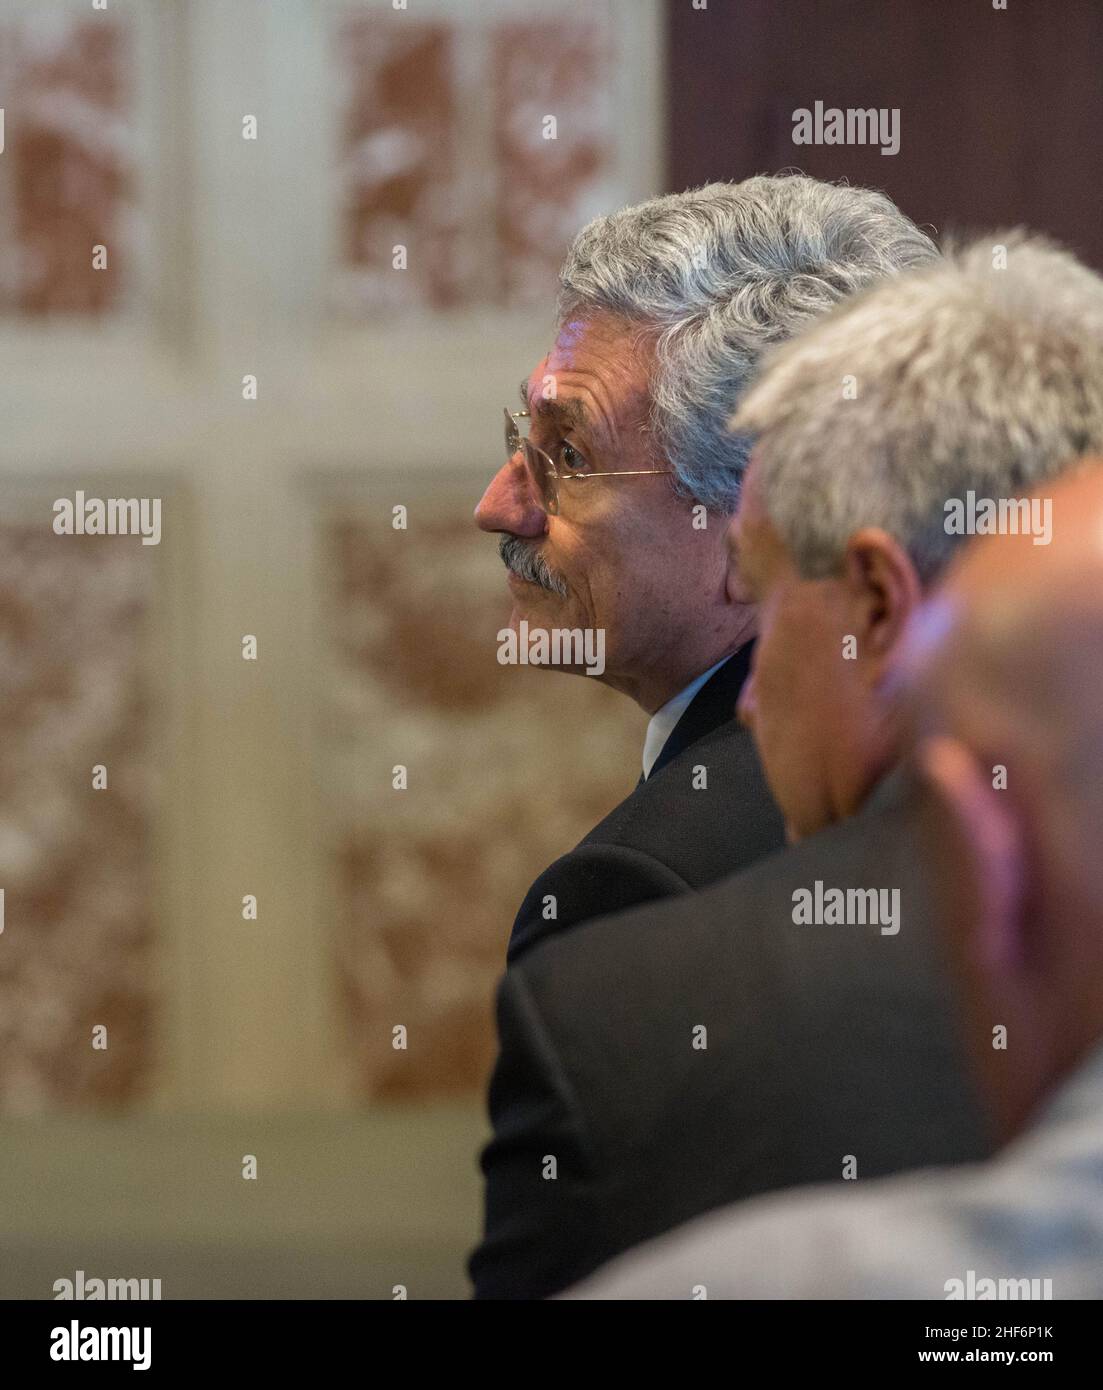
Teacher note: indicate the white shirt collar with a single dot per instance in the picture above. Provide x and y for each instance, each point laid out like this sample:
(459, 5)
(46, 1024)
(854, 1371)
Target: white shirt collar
(663, 720)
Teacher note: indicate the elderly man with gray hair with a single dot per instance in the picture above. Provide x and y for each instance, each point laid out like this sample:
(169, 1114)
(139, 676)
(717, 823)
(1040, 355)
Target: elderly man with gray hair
(789, 1025)
(612, 510)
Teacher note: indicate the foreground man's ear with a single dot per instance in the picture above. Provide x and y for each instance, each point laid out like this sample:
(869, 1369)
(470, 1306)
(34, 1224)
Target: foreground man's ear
(883, 589)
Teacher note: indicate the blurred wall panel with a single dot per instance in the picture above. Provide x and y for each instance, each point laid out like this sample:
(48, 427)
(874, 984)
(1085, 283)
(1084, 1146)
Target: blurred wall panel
(507, 766)
(78, 940)
(272, 259)
(474, 142)
(225, 258)
(399, 163)
(547, 188)
(67, 180)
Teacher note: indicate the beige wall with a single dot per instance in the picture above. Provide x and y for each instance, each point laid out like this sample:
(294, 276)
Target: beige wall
(273, 777)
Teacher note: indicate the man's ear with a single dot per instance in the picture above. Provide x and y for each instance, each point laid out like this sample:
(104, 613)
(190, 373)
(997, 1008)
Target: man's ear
(883, 587)
(980, 857)
(735, 585)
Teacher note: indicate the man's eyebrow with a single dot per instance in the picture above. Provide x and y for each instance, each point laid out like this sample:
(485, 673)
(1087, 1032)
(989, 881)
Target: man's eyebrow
(571, 413)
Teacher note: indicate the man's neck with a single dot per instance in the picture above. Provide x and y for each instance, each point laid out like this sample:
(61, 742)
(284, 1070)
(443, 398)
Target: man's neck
(655, 686)
(656, 689)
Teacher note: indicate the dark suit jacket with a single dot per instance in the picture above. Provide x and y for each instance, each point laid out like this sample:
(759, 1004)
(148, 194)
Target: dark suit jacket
(667, 837)
(822, 1042)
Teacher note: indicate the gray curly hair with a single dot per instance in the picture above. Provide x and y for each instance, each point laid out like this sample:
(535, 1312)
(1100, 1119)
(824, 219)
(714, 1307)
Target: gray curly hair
(717, 275)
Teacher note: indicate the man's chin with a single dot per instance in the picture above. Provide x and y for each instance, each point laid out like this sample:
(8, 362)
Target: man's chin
(532, 604)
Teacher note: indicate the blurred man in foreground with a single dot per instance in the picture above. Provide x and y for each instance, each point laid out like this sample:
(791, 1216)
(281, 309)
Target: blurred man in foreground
(788, 1026)
(1007, 664)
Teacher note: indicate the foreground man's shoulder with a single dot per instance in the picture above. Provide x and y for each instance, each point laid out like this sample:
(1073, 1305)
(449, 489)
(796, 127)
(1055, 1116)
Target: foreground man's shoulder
(675, 933)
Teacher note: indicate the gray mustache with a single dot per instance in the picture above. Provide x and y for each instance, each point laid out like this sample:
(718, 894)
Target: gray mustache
(529, 564)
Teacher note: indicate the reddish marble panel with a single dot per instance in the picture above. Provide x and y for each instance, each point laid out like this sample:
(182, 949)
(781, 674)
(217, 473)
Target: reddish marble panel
(548, 70)
(67, 175)
(397, 163)
(507, 769)
(458, 169)
(74, 861)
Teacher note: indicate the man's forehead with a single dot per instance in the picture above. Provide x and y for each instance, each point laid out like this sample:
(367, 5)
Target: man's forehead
(606, 349)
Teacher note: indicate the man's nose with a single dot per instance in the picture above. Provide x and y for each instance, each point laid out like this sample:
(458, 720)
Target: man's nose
(509, 503)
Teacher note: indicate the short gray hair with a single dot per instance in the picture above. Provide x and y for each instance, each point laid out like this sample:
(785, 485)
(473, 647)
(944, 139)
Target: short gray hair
(962, 376)
(718, 274)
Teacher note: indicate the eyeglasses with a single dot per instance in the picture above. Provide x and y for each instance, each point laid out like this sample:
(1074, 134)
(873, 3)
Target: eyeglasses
(544, 476)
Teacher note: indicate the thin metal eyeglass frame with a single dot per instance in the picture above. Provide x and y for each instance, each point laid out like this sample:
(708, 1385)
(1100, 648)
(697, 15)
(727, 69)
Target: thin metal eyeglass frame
(549, 494)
